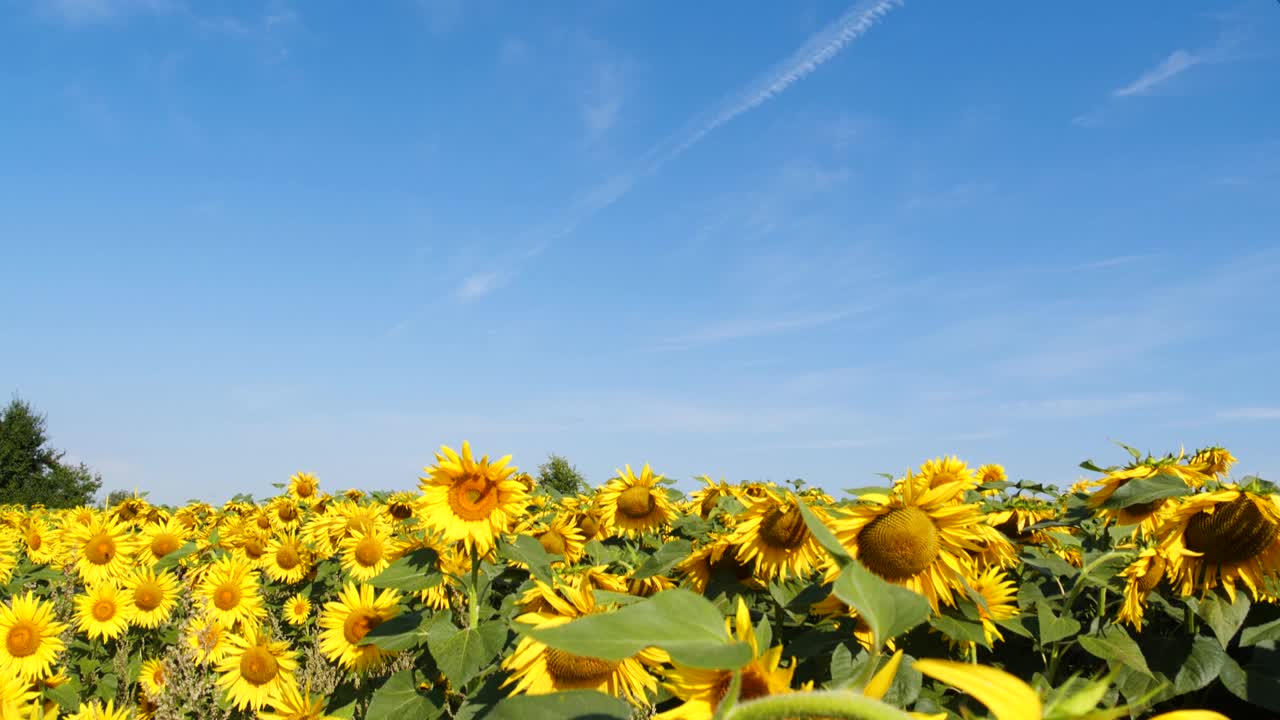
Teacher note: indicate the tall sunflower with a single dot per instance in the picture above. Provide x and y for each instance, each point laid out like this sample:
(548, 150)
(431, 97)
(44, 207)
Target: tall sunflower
(31, 643)
(101, 549)
(703, 690)
(345, 621)
(919, 537)
(255, 668)
(231, 593)
(151, 597)
(471, 501)
(1226, 537)
(946, 471)
(535, 669)
(772, 537)
(633, 504)
(101, 613)
(303, 486)
(992, 473)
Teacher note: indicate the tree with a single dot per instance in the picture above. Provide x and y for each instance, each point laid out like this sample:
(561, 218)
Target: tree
(31, 472)
(557, 474)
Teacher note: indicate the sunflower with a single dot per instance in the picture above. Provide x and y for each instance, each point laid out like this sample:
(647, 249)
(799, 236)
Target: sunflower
(207, 639)
(303, 486)
(297, 610)
(97, 711)
(8, 554)
(251, 545)
(254, 668)
(1019, 514)
(100, 612)
(102, 549)
(1223, 537)
(230, 593)
(702, 690)
(992, 473)
(287, 559)
(18, 699)
(948, 470)
(161, 539)
(1138, 470)
(345, 622)
(289, 702)
(1141, 577)
(31, 643)
(400, 506)
(150, 598)
(40, 541)
(707, 498)
(562, 537)
(632, 505)
(715, 560)
(535, 669)
(471, 501)
(152, 677)
(999, 600)
(919, 537)
(772, 537)
(1213, 461)
(365, 554)
(651, 585)
(284, 514)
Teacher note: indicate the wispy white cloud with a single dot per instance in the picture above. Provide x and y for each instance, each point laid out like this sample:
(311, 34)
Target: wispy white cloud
(1114, 261)
(602, 104)
(1178, 62)
(739, 329)
(1250, 414)
(1100, 405)
(477, 285)
(87, 12)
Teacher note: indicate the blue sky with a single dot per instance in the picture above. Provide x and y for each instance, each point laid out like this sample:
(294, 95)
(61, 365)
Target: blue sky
(759, 240)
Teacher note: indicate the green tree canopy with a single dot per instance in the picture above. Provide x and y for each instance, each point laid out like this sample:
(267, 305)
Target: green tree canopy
(31, 472)
(557, 474)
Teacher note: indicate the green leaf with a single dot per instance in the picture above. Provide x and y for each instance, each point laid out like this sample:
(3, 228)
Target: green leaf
(841, 666)
(1262, 676)
(461, 653)
(1223, 616)
(661, 562)
(888, 609)
(687, 626)
(1260, 633)
(67, 695)
(823, 534)
(410, 573)
(905, 688)
(1115, 646)
(580, 704)
(959, 629)
(402, 632)
(1200, 667)
(1052, 627)
(606, 597)
(399, 698)
(172, 559)
(1145, 490)
(526, 549)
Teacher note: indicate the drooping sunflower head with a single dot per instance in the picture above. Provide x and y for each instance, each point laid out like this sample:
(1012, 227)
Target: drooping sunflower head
(705, 499)
(1223, 538)
(1213, 461)
(471, 501)
(633, 504)
(254, 668)
(1141, 577)
(401, 505)
(772, 537)
(716, 561)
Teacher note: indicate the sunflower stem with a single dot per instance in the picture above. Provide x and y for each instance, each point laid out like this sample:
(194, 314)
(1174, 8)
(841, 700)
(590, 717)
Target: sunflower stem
(473, 590)
(842, 704)
(1084, 575)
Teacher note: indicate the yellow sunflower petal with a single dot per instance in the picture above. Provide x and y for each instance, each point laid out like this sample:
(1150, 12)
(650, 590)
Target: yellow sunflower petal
(1007, 697)
(883, 678)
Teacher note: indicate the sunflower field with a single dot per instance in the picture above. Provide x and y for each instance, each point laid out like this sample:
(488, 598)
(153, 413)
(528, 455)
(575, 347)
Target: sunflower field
(1148, 589)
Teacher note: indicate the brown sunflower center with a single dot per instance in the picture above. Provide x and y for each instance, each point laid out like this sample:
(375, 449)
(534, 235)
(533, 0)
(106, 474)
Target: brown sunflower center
(23, 639)
(104, 610)
(304, 488)
(287, 557)
(589, 524)
(358, 624)
(226, 597)
(400, 511)
(899, 544)
(264, 522)
(100, 549)
(1234, 532)
(784, 530)
(754, 685)
(254, 548)
(553, 542)
(473, 497)
(636, 502)
(148, 595)
(287, 512)
(730, 565)
(163, 544)
(567, 667)
(368, 551)
(1151, 578)
(34, 541)
(258, 665)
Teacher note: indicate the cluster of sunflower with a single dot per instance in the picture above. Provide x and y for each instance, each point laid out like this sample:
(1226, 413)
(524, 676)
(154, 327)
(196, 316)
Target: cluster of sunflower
(428, 603)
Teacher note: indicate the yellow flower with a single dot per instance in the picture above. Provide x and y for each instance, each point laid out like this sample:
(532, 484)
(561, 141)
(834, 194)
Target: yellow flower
(152, 676)
(18, 699)
(150, 598)
(947, 470)
(31, 643)
(561, 536)
(207, 639)
(345, 621)
(1223, 537)
(287, 559)
(289, 702)
(1000, 597)
(230, 593)
(992, 473)
(254, 668)
(161, 539)
(297, 610)
(1141, 577)
(100, 612)
(471, 501)
(40, 542)
(303, 486)
(97, 711)
(102, 549)
(772, 537)
(702, 690)
(632, 505)
(365, 554)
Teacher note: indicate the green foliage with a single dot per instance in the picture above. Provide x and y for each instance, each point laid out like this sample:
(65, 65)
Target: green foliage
(557, 474)
(33, 473)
